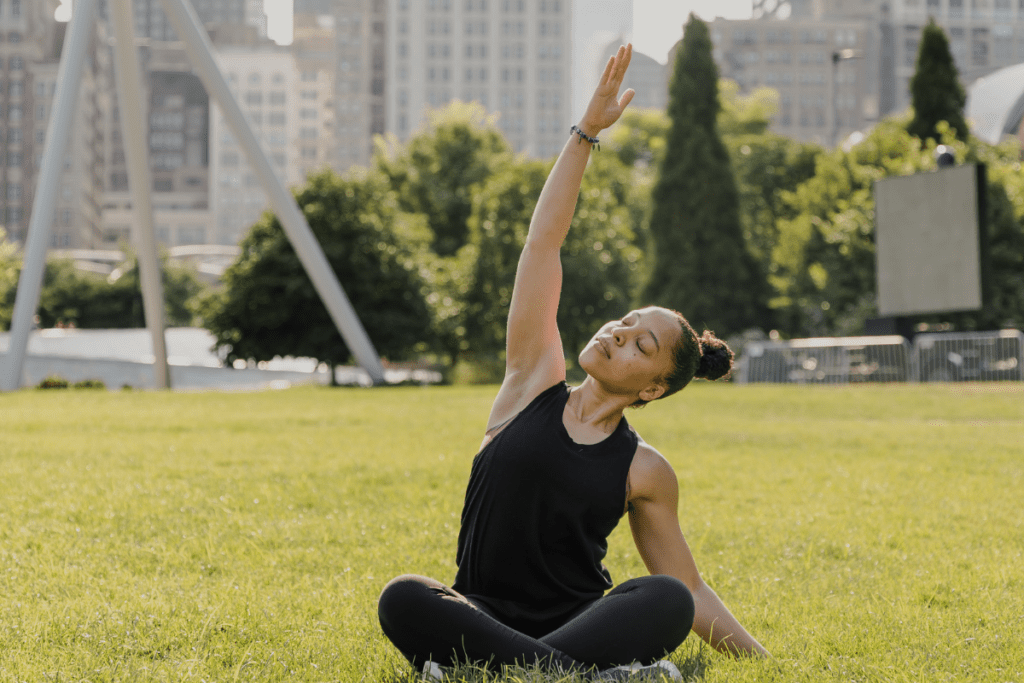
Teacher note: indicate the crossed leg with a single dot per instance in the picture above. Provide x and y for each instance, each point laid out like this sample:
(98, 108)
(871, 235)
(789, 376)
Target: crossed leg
(639, 620)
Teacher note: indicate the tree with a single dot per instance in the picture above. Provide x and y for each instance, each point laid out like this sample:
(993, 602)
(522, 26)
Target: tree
(766, 166)
(936, 91)
(701, 264)
(436, 171)
(823, 266)
(10, 267)
(87, 300)
(269, 306)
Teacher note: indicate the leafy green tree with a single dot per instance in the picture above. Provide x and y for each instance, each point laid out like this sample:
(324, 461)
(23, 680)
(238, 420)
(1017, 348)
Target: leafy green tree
(702, 266)
(10, 267)
(766, 166)
(436, 171)
(936, 91)
(88, 300)
(269, 307)
(824, 262)
(638, 138)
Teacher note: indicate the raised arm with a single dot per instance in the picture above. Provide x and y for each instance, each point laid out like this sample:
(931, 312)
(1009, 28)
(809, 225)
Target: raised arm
(534, 359)
(654, 521)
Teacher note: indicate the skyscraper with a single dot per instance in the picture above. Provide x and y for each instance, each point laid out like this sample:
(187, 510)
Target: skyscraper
(30, 44)
(512, 56)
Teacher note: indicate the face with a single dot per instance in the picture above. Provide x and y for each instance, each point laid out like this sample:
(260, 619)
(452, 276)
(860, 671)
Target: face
(630, 355)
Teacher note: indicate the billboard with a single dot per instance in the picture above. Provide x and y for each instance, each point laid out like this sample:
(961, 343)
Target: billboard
(929, 241)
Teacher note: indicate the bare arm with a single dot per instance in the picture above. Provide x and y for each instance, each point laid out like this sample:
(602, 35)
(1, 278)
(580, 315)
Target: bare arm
(654, 522)
(534, 358)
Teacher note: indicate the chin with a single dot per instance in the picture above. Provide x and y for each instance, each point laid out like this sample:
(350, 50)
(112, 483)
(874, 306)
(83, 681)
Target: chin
(586, 360)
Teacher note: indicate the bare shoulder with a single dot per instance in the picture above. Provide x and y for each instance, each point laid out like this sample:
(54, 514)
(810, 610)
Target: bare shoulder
(651, 476)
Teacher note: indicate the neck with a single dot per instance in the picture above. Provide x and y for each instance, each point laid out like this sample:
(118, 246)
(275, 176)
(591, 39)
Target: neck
(594, 406)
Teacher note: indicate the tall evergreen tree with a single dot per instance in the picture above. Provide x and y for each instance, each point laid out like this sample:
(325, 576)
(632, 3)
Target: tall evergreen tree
(702, 266)
(936, 91)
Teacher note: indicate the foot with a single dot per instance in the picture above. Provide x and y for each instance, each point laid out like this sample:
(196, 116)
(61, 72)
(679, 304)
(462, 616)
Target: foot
(636, 672)
(432, 672)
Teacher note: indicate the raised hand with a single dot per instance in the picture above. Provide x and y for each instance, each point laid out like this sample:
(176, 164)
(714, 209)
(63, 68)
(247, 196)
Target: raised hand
(606, 106)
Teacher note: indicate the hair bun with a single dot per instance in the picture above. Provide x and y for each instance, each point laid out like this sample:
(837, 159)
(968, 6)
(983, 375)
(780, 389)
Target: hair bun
(716, 357)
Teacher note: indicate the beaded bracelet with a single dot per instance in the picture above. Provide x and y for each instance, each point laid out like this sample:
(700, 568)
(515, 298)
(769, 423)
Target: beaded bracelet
(584, 136)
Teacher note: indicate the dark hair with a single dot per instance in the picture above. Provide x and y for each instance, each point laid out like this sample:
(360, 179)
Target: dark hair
(703, 357)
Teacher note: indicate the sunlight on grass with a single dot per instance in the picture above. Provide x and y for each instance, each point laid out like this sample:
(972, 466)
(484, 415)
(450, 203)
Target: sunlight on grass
(864, 533)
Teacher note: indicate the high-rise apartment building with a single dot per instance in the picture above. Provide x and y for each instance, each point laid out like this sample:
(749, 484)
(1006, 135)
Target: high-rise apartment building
(984, 35)
(152, 23)
(315, 50)
(178, 113)
(268, 85)
(850, 62)
(360, 76)
(30, 44)
(821, 68)
(512, 56)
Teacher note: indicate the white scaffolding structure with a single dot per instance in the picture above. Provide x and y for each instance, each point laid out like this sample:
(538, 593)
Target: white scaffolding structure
(187, 26)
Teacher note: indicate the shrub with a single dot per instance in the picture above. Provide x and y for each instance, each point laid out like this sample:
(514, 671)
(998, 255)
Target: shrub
(53, 382)
(90, 384)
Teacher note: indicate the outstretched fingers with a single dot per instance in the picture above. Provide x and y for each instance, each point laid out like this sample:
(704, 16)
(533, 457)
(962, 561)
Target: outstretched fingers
(615, 69)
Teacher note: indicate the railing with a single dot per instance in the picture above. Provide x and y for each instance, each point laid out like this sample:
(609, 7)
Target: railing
(969, 356)
(840, 360)
(933, 357)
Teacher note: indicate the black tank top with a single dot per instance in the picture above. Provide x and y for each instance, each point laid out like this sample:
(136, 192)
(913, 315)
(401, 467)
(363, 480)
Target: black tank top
(539, 508)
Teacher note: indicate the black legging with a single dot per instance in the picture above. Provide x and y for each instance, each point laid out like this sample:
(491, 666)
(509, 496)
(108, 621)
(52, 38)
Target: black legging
(639, 620)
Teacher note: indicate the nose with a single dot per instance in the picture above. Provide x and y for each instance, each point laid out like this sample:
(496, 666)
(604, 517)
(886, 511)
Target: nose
(619, 334)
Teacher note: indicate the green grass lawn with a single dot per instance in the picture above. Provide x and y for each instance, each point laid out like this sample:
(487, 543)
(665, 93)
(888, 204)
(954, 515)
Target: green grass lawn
(869, 533)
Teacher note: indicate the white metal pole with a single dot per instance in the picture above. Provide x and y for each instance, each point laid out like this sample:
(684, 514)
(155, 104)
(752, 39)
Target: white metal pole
(131, 98)
(69, 75)
(197, 46)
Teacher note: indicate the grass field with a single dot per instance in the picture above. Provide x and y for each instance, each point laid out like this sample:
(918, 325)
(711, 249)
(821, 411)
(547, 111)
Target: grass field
(869, 533)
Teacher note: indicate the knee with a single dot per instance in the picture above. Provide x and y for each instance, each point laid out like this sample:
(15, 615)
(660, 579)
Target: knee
(399, 599)
(675, 602)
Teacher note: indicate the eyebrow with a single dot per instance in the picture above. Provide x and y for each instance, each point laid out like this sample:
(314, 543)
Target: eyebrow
(657, 345)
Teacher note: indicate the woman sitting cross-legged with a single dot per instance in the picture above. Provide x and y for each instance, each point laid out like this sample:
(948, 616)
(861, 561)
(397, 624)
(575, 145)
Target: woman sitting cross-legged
(558, 468)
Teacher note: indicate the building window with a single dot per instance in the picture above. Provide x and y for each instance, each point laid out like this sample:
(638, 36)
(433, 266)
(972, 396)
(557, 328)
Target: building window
(979, 47)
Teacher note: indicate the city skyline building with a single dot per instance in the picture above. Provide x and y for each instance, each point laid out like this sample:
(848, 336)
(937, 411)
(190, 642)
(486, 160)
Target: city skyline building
(151, 22)
(315, 52)
(266, 82)
(511, 56)
(821, 69)
(30, 43)
(984, 36)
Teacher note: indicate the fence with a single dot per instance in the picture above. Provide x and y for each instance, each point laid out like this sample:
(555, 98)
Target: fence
(970, 356)
(933, 357)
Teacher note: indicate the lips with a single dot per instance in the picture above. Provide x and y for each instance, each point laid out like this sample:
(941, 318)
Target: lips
(604, 347)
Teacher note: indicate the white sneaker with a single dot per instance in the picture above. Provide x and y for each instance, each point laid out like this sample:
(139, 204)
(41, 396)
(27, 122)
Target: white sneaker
(432, 671)
(638, 672)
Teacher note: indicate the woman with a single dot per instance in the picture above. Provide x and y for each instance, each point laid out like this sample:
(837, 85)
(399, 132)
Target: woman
(557, 469)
